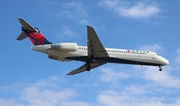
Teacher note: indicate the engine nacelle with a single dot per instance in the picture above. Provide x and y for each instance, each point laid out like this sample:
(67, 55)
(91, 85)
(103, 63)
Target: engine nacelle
(65, 47)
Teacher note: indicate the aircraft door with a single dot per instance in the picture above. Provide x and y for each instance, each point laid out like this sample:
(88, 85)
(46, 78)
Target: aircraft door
(153, 56)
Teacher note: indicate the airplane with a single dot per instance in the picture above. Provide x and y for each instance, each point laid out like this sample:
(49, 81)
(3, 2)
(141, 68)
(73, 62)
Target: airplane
(94, 54)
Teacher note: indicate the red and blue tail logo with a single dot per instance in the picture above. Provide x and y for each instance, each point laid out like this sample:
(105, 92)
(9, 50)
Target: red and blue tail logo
(33, 33)
(37, 38)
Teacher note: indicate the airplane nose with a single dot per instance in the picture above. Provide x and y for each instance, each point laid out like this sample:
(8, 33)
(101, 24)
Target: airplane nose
(162, 61)
(165, 61)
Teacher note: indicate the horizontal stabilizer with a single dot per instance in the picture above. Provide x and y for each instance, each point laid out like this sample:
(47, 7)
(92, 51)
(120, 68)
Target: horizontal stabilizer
(22, 36)
(26, 25)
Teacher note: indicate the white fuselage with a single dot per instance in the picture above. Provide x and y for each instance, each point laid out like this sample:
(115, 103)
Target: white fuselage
(94, 54)
(124, 56)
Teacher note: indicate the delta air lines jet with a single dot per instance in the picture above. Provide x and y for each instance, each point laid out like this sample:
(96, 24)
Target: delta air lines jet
(94, 54)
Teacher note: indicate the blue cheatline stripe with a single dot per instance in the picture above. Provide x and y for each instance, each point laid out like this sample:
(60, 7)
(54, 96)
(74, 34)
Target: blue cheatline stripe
(111, 60)
(46, 41)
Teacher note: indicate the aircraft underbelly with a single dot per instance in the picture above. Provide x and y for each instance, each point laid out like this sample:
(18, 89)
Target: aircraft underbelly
(112, 60)
(122, 59)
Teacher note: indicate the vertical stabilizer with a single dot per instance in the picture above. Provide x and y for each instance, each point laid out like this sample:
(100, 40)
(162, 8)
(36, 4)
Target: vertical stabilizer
(36, 37)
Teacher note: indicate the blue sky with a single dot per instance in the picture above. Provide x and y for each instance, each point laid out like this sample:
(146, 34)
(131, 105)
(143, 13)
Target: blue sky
(29, 78)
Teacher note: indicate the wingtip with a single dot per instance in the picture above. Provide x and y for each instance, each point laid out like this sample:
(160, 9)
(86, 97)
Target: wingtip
(89, 26)
(68, 74)
(20, 19)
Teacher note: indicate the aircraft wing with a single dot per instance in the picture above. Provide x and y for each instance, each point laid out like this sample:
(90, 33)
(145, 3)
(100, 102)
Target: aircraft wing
(95, 50)
(84, 68)
(95, 47)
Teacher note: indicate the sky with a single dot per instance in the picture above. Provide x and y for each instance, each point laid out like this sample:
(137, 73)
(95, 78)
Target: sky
(29, 78)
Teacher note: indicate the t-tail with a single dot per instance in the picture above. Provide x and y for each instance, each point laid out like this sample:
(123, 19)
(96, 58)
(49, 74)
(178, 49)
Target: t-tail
(32, 33)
